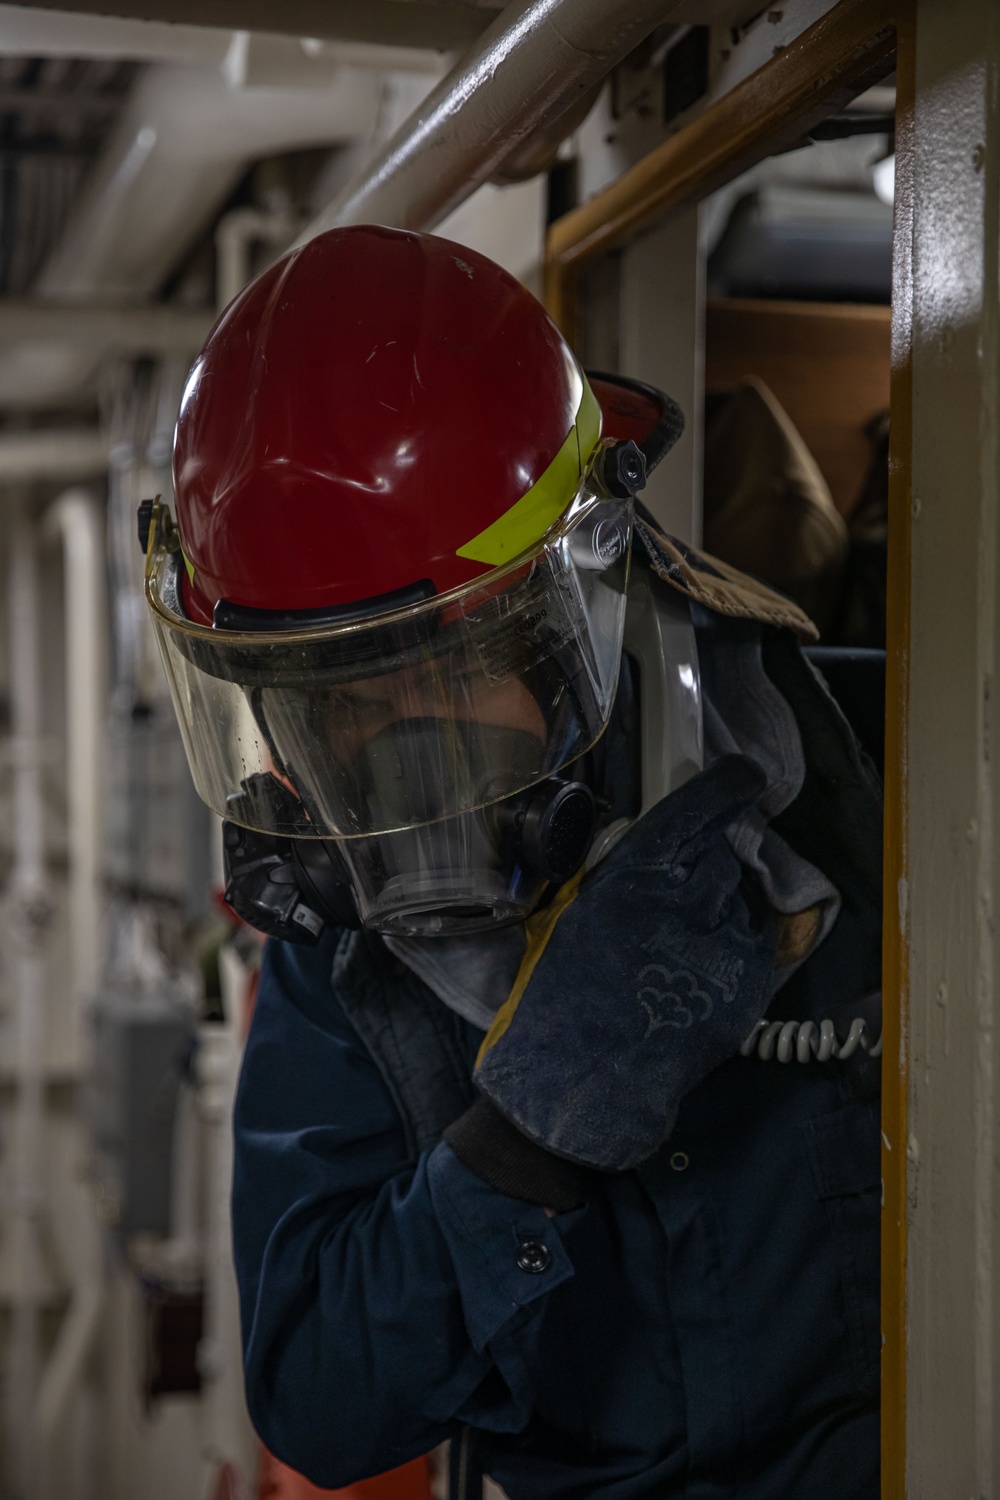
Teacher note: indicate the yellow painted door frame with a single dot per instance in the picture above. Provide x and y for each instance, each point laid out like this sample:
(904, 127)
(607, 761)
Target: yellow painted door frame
(895, 936)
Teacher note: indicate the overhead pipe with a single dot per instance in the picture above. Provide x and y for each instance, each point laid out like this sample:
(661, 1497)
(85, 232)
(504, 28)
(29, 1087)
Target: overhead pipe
(531, 66)
(184, 139)
(76, 519)
(235, 235)
(182, 142)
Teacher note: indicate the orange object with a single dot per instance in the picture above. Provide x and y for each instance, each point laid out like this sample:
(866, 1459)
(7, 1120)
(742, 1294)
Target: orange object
(411, 1482)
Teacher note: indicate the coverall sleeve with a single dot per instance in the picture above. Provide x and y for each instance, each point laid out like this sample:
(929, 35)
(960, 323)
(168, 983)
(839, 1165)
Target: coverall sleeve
(383, 1304)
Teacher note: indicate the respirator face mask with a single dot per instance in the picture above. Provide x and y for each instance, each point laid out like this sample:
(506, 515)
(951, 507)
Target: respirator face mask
(416, 772)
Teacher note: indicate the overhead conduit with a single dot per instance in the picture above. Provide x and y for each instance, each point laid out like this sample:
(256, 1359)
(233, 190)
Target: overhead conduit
(530, 68)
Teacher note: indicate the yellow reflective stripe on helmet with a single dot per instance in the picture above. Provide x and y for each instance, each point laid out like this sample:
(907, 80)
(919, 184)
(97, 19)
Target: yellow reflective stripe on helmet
(529, 518)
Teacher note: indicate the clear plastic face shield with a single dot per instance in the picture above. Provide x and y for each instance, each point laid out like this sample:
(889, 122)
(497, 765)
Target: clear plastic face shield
(419, 741)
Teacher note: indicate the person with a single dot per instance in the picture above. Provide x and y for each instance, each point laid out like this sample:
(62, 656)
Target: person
(554, 830)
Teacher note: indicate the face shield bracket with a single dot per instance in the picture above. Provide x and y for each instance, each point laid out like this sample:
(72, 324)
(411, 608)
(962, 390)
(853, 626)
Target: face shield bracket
(623, 469)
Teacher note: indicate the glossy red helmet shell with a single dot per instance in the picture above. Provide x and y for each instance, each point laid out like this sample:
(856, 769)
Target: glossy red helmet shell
(365, 407)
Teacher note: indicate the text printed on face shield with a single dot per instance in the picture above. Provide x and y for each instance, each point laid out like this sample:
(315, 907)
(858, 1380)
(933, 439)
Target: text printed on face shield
(516, 631)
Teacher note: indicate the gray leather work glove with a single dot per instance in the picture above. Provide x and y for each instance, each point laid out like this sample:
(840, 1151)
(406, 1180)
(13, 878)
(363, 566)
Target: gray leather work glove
(638, 980)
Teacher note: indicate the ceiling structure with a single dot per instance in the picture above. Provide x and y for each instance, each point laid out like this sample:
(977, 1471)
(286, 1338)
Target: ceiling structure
(445, 25)
(126, 126)
(54, 115)
(448, 25)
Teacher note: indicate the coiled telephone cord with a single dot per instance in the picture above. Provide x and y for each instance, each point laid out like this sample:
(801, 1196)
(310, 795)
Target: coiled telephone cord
(802, 1041)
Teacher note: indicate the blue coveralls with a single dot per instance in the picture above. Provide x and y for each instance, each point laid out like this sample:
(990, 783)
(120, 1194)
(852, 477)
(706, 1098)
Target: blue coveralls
(705, 1326)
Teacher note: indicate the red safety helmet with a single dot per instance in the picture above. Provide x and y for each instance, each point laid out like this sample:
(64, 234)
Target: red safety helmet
(377, 410)
(389, 469)
(364, 418)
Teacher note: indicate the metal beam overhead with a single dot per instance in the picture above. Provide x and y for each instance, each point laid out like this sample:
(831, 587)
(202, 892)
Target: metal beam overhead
(396, 23)
(69, 454)
(135, 330)
(59, 102)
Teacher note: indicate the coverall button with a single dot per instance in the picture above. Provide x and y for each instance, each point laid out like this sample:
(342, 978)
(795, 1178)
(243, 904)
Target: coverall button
(533, 1257)
(680, 1161)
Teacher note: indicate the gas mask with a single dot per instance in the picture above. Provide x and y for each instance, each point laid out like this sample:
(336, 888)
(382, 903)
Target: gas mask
(425, 771)
(435, 876)
(463, 874)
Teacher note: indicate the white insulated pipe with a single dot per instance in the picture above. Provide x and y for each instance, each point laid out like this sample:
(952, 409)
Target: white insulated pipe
(26, 710)
(182, 141)
(68, 1362)
(531, 66)
(235, 234)
(76, 519)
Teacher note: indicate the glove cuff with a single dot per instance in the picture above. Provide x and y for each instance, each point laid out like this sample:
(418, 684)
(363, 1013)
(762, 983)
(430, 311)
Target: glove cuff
(489, 1145)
